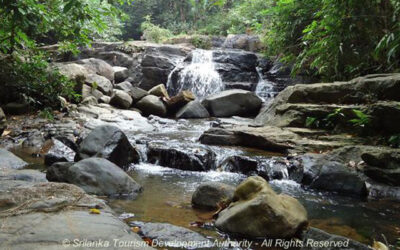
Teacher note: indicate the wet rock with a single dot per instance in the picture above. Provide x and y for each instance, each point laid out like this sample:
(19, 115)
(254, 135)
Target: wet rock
(9, 161)
(244, 42)
(100, 83)
(108, 142)
(120, 73)
(152, 105)
(45, 215)
(192, 110)
(96, 176)
(159, 91)
(27, 175)
(172, 236)
(184, 157)
(240, 164)
(99, 67)
(121, 99)
(211, 195)
(383, 165)
(88, 91)
(59, 152)
(90, 100)
(3, 121)
(233, 103)
(249, 86)
(15, 108)
(314, 235)
(257, 211)
(177, 102)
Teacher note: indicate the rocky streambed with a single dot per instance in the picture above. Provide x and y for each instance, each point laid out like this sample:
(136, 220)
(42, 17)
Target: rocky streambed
(140, 168)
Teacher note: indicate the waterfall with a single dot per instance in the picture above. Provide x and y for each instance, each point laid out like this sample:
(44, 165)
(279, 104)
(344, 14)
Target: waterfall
(265, 88)
(199, 77)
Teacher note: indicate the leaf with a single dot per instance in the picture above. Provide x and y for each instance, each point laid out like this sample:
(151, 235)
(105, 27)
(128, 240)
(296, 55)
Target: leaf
(94, 211)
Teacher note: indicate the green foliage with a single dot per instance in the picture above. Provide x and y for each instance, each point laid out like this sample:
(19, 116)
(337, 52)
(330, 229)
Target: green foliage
(362, 119)
(47, 113)
(394, 141)
(27, 77)
(154, 33)
(201, 42)
(328, 122)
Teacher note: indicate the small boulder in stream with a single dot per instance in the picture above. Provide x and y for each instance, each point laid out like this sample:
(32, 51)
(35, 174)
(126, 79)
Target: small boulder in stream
(257, 211)
(192, 110)
(58, 152)
(233, 102)
(96, 176)
(108, 142)
(211, 195)
(9, 161)
(160, 91)
(100, 82)
(152, 105)
(120, 73)
(121, 99)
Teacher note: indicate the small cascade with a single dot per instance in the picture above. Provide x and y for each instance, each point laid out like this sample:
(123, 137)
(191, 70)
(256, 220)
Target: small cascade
(199, 77)
(265, 88)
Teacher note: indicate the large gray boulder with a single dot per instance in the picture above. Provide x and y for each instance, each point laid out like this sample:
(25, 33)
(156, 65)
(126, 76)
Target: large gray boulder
(233, 103)
(192, 110)
(58, 152)
(120, 73)
(244, 42)
(152, 105)
(50, 216)
(108, 142)
(96, 176)
(9, 161)
(211, 195)
(121, 99)
(383, 165)
(73, 71)
(101, 83)
(257, 211)
(99, 67)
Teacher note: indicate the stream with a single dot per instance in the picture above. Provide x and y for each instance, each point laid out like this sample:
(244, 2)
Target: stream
(167, 192)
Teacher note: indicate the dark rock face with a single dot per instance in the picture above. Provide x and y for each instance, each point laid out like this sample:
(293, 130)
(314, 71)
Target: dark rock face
(96, 176)
(121, 99)
(171, 235)
(192, 110)
(3, 121)
(99, 67)
(233, 103)
(152, 105)
(383, 166)
(191, 158)
(120, 73)
(59, 152)
(158, 63)
(14, 108)
(108, 142)
(211, 194)
(9, 161)
(240, 164)
(236, 66)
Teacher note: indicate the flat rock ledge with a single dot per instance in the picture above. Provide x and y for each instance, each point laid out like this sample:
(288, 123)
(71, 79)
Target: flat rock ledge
(51, 216)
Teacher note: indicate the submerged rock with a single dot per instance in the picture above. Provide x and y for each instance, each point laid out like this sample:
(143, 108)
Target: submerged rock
(184, 157)
(211, 195)
(108, 142)
(257, 211)
(172, 236)
(152, 105)
(233, 103)
(59, 152)
(9, 161)
(192, 110)
(96, 176)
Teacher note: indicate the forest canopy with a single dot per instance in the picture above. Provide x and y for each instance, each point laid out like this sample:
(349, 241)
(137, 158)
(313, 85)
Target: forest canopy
(333, 40)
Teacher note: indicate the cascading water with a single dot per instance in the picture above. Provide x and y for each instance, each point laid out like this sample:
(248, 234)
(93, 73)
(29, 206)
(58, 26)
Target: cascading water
(265, 88)
(199, 77)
